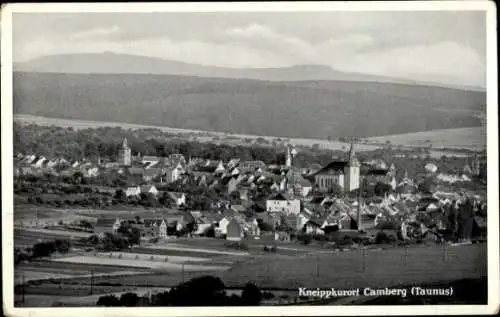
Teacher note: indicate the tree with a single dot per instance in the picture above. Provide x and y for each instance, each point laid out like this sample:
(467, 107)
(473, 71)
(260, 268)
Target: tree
(129, 299)
(43, 249)
(165, 200)
(251, 295)
(62, 246)
(120, 196)
(147, 200)
(77, 178)
(108, 300)
(201, 291)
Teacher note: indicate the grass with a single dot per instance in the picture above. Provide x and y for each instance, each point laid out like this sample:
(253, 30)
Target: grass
(346, 269)
(462, 138)
(27, 237)
(158, 264)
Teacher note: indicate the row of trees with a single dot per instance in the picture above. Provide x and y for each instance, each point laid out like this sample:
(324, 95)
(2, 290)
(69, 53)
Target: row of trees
(201, 291)
(41, 249)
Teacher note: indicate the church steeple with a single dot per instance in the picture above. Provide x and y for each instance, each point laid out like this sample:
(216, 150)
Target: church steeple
(353, 161)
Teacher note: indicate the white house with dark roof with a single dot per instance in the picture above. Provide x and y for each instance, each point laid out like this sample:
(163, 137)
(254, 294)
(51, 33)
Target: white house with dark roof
(149, 189)
(178, 198)
(133, 191)
(173, 174)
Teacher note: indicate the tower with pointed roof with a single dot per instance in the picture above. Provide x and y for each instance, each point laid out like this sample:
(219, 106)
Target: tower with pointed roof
(125, 153)
(288, 162)
(351, 171)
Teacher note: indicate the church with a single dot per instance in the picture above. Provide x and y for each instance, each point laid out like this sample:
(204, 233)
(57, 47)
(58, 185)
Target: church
(344, 173)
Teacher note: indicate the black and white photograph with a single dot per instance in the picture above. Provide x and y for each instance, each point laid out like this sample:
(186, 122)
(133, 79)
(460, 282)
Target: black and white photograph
(249, 158)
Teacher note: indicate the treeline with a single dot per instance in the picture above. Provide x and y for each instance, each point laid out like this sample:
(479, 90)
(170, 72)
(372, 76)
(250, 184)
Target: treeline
(106, 142)
(201, 291)
(41, 249)
(55, 142)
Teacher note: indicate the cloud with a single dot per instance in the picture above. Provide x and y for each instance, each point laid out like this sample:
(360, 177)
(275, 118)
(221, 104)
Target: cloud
(445, 46)
(447, 61)
(98, 33)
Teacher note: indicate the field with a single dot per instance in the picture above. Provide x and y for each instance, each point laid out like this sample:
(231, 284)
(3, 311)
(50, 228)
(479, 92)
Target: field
(307, 266)
(462, 138)
(358, 269)
(27, 237)
(43, 270)
(161, 263)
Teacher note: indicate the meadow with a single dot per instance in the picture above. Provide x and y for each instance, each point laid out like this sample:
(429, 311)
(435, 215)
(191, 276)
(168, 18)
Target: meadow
(396, 266)
(462, 138)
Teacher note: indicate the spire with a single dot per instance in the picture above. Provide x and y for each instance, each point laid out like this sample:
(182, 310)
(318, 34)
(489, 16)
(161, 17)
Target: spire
(351, 151)
(288, 162)
(125, 143)
(352, 155)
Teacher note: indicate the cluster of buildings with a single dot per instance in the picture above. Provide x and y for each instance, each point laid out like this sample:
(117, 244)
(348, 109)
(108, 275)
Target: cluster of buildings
(294, 200)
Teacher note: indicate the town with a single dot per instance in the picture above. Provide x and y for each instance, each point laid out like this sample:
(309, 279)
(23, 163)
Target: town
(130, 214)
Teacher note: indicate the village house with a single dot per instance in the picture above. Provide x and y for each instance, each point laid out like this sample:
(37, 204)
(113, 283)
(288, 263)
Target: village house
(133, 191)
(105, 224)
(150, 160)
(135, 171)
(150, 174)
(251, 227)
(156, 228)
(302, 187)
(177, 159)
(282, 203)
(173, 174)
(313, 227)
(178, 198)
(252, 165)
(38, 163)
(221, 228)
(203, 226)
(90, 172)
(149, 189)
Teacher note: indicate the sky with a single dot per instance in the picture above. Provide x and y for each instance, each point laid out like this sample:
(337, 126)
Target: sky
(438, 46)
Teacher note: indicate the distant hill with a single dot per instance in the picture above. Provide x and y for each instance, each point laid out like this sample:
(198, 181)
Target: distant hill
(301, 109)
(111, 63)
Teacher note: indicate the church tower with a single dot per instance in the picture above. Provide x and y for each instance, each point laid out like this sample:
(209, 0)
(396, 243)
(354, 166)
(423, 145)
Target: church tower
(351, 171)
(125, 154)
(288, 162)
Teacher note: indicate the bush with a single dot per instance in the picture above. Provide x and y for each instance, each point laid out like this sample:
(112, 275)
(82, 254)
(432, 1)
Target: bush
(251, 295)
(384, 238)
(237, 246)
(62, 246)
(270, 248)
(304, 238)
(343, 241)
(108, 300)
(129, 299)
